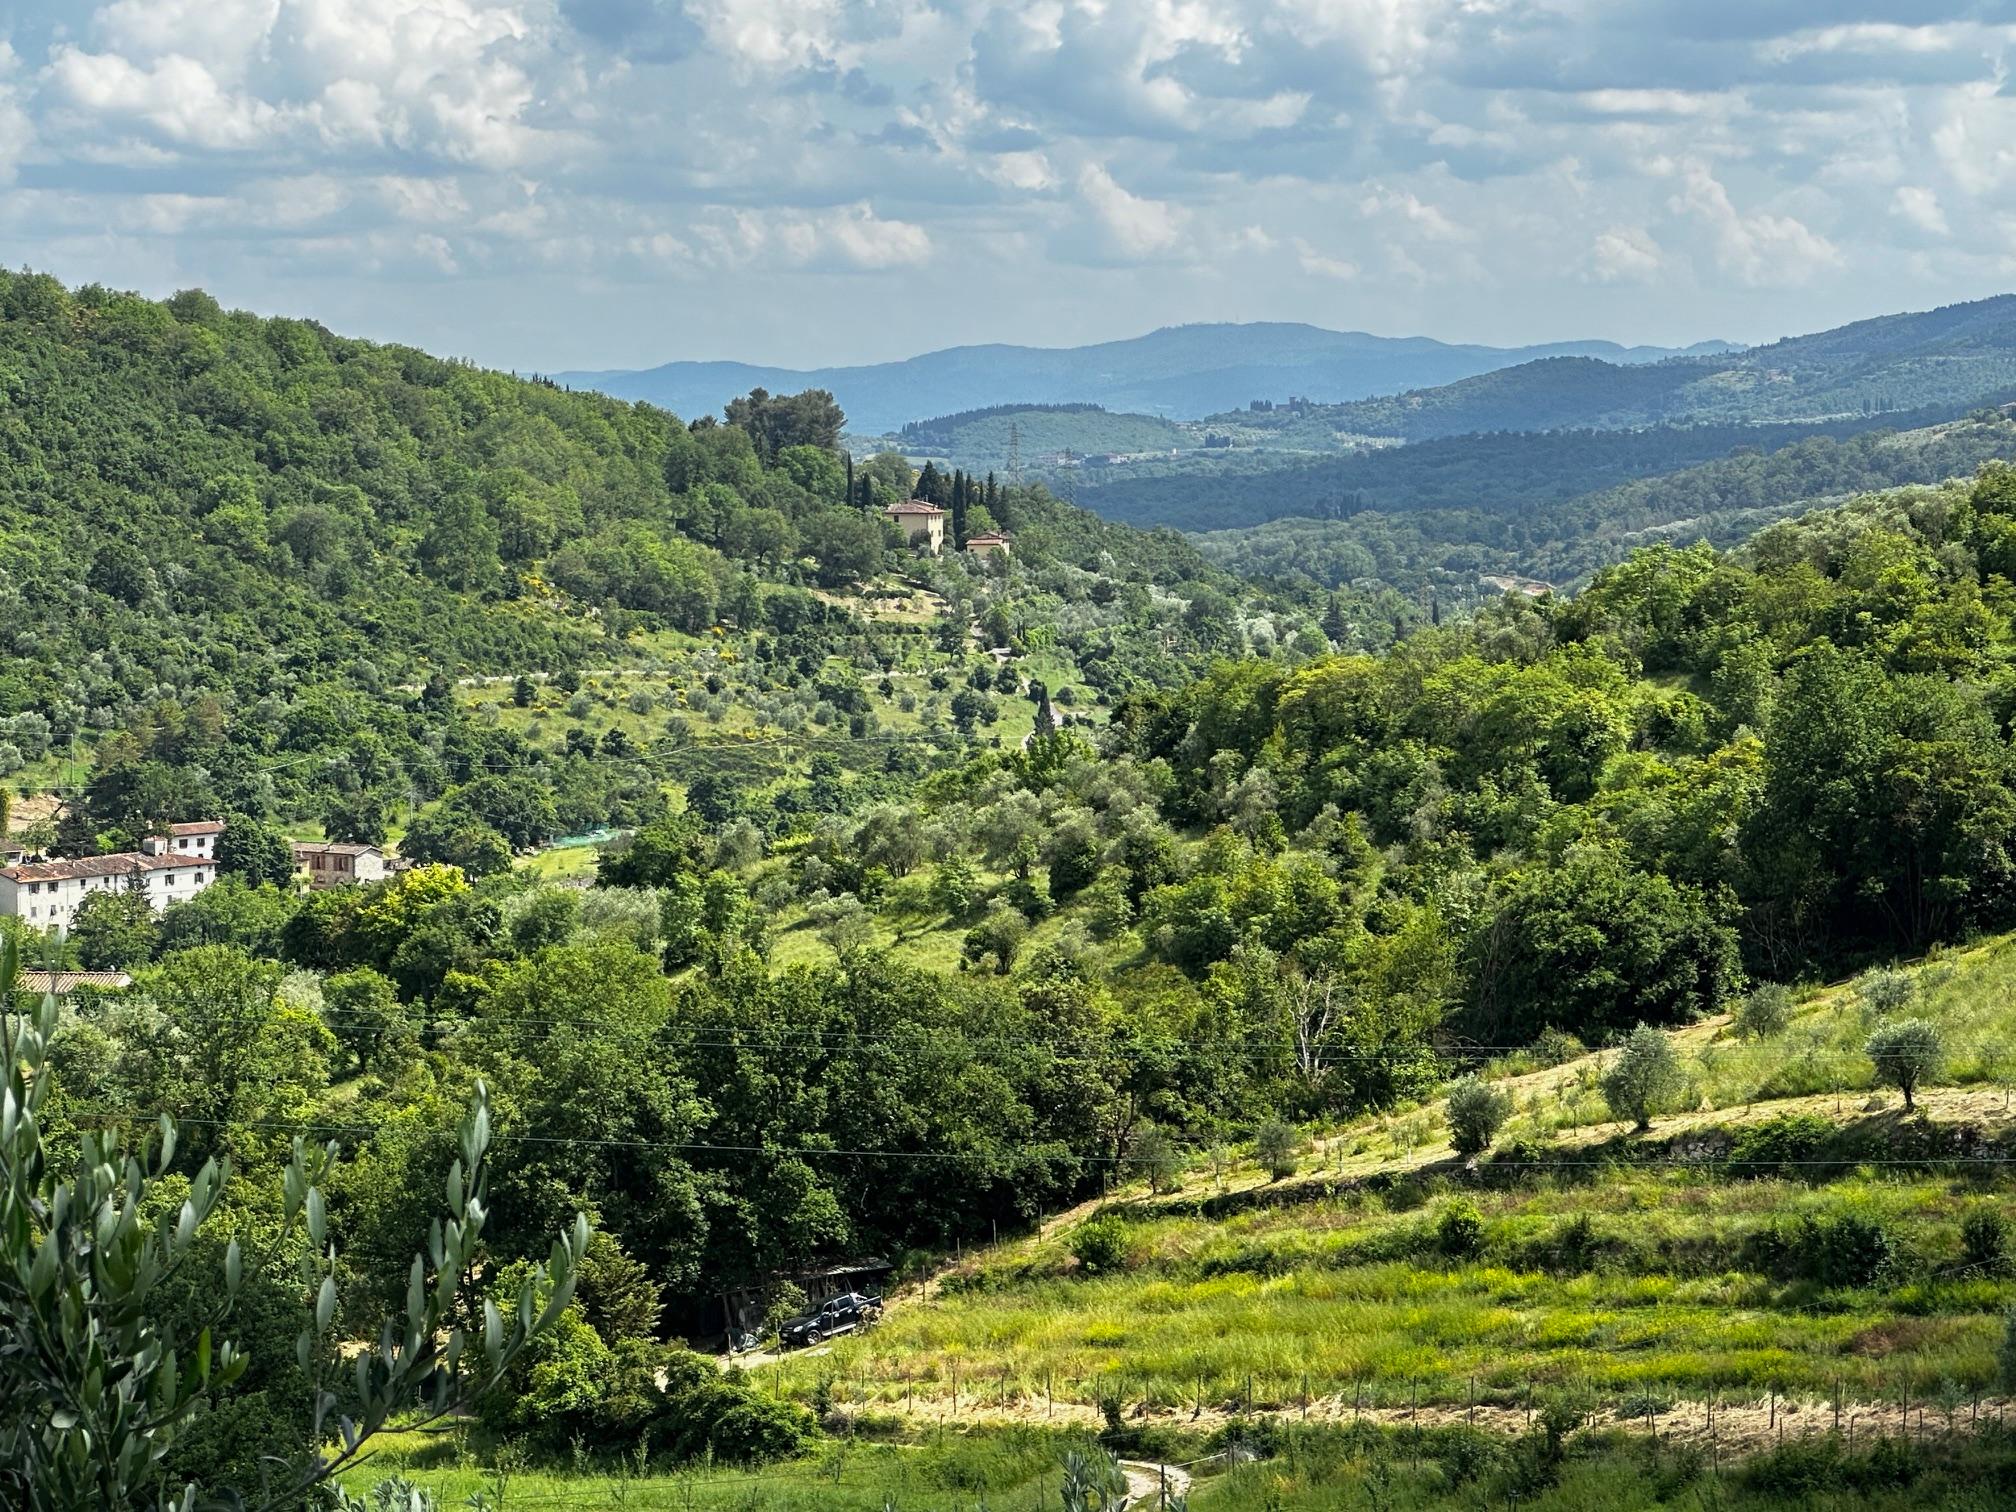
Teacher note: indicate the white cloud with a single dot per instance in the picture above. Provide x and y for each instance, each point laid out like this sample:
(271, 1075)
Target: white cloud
(175, 95)
(1135, 225)
(1975, 140)
(1417, 214)
(1323, 265)
(867, 241)
(850, 237)
(17, 129)
(1761, 249)
(1626, 253)
(1028, 171)
(1920, 206)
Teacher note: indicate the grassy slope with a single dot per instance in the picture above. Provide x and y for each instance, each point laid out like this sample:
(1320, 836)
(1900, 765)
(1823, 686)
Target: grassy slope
(1332, 1278)
(1319, 1301)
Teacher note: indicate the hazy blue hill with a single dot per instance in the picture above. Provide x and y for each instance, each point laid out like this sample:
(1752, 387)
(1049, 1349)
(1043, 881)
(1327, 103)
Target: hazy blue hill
(982, 439)
(1182, 372)
(1952, 357)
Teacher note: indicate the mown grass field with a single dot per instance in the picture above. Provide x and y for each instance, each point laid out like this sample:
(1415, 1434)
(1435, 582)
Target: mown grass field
(1643, 1269)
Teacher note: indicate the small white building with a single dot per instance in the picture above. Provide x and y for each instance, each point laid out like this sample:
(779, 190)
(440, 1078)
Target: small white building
(47, 894)
(338, 863)
(198, 838)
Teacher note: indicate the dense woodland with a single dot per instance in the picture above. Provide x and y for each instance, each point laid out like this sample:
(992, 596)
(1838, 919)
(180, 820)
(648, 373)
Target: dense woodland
(1443, 553)
(1282, 870)
(1537, 475)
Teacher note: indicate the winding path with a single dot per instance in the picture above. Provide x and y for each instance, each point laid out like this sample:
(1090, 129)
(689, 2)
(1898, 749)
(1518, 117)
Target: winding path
(1145, 1484)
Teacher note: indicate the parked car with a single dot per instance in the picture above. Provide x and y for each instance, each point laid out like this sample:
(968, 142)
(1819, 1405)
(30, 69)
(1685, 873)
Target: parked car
(836, 1315)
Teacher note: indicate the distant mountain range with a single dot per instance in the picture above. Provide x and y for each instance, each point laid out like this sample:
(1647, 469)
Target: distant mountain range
(1550, 429)
(1179, 372)
(1950, 357)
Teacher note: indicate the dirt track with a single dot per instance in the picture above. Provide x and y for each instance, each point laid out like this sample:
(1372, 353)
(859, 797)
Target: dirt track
(1734, 1427)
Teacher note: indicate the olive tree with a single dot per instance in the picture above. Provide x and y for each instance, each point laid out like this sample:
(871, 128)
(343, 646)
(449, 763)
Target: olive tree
(1476, 1111)
(1274, 1146)
(1644, 1078)
(97, 1382)
(1906, 1053)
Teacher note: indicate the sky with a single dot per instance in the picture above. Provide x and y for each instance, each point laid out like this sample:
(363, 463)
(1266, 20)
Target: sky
(556, 184)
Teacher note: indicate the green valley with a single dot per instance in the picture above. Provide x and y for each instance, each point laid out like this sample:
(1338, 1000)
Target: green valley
(1247, 1025)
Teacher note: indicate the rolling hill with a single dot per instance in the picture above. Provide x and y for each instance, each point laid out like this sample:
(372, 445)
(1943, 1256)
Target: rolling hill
(1955, 356)
(1180, 371)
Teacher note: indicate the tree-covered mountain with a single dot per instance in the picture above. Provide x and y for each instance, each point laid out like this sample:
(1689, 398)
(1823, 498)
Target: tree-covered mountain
(1951, 357)
(1180, 371)
(1034, 435)
(1493, 473)
(1441, 546)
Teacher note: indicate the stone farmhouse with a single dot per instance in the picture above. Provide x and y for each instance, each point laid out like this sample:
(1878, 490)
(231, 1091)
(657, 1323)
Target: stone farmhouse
(331, 863)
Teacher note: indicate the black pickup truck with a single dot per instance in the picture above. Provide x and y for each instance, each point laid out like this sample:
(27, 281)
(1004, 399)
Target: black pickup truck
(836, 1315)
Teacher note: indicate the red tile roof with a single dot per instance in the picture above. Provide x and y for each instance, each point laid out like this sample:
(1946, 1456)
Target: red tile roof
(913, 507)
(69, 981)
(198, 827)
(122, 865)
(334, 848)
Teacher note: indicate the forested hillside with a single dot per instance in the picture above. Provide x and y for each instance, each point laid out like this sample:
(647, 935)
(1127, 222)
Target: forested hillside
(1544, 441)
(1956, 356)
(234, 550)
(1450, 551)
(1011, 434)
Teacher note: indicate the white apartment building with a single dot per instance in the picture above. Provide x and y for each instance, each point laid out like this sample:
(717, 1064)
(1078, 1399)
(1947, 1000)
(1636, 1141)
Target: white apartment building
(198, 838)
(47, 894)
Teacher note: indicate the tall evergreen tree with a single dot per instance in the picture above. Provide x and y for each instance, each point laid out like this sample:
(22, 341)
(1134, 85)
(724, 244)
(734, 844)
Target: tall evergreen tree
(962, 488)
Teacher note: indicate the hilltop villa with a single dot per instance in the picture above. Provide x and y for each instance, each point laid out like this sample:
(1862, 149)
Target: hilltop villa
(923, 524)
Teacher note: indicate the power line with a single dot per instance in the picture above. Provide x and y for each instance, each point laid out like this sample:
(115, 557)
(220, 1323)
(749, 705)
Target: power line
(134, 1119)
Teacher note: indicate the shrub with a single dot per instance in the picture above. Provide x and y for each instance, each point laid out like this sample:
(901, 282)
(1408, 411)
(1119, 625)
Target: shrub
(1906, 1053)
(1885, 991)
(1984, 1241)
(706, 1414)
(1459, 1232)
(1556, 1047)
(992, 942)
(2005, 1353)
(1100, 1246)
(1644, 1078)
(1576, 1246)
(1789, 1139)
(1845, 1250)
(1476, 1112)
(1765, 1013)
(1274, 1147)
